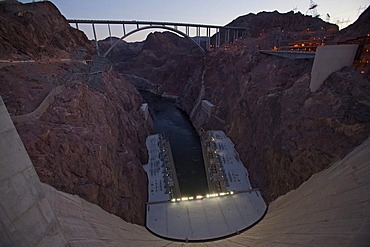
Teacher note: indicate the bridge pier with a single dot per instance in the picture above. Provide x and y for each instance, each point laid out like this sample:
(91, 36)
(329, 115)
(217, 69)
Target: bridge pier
(110, 35)
(208, 37)
(218, 39)
(225, 36)
(96, 40)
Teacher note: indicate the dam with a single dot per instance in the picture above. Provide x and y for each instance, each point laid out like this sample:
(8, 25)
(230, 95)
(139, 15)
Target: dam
(329, 207)
(335, 202)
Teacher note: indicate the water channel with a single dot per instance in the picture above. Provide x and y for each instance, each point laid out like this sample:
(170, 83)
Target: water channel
(185, 143)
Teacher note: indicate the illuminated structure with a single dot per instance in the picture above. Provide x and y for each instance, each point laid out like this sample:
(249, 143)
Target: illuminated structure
(162, 178)
(362, 58)
(225, 211)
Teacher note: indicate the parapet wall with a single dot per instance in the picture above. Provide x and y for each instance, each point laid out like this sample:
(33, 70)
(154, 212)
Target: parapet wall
(329, 59)
(25, 213)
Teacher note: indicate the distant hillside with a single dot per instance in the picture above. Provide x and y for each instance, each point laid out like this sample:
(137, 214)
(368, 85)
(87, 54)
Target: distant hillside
(288, 24)
(290, 21)
(361, 27)
(163, 64)
(122, 51)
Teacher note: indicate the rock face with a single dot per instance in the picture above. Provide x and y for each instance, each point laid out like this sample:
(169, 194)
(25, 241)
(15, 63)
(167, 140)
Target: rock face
(80, 124)
(164, 64)
(37, 31)
(89, 141)
(122, 51)
(280, 28)
(282, 131)
(359, 28)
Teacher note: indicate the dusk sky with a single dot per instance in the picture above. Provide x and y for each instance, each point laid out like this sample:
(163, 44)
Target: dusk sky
(216, 12)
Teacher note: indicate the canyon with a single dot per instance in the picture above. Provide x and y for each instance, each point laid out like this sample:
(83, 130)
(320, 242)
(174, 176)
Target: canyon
(283, 132)
(81, 124)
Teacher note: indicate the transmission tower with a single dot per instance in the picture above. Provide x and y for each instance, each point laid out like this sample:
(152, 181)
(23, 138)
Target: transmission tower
(312, 9)
(360, 10)
(342, 22)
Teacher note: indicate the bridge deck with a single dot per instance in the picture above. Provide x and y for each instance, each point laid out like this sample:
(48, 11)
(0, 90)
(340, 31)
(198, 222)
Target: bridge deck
(134, 22)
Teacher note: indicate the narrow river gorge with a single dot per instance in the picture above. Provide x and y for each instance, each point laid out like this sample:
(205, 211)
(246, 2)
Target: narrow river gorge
(185, 143)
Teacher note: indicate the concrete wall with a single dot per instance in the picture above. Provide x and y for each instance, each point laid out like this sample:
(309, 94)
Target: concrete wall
(330, 209)
(329, 59)
(26, 218)
(207, 106)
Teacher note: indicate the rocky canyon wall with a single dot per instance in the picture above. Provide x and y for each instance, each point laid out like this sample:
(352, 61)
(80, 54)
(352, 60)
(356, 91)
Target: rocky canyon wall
(282, 131)
(89, 140)
(163, 62)
(80, 123)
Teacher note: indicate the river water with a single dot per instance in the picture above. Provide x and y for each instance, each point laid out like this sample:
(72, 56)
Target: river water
(185, 143)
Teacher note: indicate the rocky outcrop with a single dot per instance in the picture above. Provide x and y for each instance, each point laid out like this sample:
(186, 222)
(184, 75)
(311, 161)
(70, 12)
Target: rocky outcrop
(282, 131)
(164, 64)
(359, 28)
(81, 124)
(90, 139)
(280, 28)
(290, 21)
(38, 31)
(122, 51)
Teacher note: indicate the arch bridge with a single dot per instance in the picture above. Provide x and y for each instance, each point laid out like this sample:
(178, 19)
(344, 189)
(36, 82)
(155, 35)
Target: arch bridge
(212, 36)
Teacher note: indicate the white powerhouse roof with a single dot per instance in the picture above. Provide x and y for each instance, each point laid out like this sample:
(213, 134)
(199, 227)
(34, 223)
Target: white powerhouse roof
(208, 218)
(202, 217)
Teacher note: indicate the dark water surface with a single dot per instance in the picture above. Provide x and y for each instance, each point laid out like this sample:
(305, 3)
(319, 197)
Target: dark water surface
(185, 143)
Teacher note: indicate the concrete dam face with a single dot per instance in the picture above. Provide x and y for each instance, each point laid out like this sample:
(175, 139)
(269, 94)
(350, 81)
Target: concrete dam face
(330, 209)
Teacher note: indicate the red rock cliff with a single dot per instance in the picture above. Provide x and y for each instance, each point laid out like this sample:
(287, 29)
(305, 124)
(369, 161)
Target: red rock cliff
(283, 132)
(37, 31)
(81, 124)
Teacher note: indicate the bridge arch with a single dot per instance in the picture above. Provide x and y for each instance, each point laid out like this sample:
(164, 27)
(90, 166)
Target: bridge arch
(153, 27)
